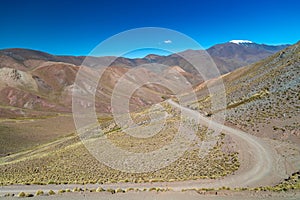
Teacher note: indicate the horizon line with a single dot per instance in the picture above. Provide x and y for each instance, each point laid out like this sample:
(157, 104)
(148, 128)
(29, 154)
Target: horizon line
(131, 57)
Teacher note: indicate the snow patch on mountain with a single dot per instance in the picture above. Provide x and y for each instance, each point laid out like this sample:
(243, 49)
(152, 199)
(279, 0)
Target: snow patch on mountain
(240, 41)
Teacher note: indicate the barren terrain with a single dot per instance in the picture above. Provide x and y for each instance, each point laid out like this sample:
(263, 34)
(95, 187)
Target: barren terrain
(255, 155)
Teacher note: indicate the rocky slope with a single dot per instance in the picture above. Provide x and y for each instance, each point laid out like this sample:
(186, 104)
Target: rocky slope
(263, 98)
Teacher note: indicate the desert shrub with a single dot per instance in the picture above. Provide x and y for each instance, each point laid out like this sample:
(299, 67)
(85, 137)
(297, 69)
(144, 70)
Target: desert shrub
(129, 189)
(39, 192)
(51, 192)
(155, 180)
(153, 189)
(21, 194)
(61, 191)
(51, 182)
(111, 190)
(100, 189)
(119, 190)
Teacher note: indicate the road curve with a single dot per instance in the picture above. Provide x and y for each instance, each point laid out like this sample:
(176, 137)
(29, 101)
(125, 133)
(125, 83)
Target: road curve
(258, 158)
(260, 165)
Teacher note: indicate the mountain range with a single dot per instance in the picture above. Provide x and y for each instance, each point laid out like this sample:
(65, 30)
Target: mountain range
(228, 56)
(33, 81)
(40, 145)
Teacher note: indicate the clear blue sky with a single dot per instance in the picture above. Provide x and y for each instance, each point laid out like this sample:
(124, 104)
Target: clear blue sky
(76, 27)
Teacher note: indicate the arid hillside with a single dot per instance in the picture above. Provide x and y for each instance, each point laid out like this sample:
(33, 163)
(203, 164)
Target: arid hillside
(48, 88)
(34, 82)
(262, 98)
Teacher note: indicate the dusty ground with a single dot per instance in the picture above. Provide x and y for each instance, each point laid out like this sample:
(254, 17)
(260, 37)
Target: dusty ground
(262, 163)
(173, 196)
(21, 134)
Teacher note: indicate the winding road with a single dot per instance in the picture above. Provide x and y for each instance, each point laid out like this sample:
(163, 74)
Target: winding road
(260, 162)
(260, 165)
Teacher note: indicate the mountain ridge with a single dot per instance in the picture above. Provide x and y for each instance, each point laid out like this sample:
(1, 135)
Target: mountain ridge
(52, 77)
(222, 54)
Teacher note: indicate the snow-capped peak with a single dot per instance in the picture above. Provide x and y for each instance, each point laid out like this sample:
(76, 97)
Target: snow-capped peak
(240, 41)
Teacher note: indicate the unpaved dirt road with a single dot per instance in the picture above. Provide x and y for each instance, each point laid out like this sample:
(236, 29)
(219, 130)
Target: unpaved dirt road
(260, 162)
(260, 165)
(167, 196)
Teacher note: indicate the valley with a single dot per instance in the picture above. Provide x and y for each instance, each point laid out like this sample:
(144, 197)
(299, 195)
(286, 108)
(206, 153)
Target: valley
(193, 151)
